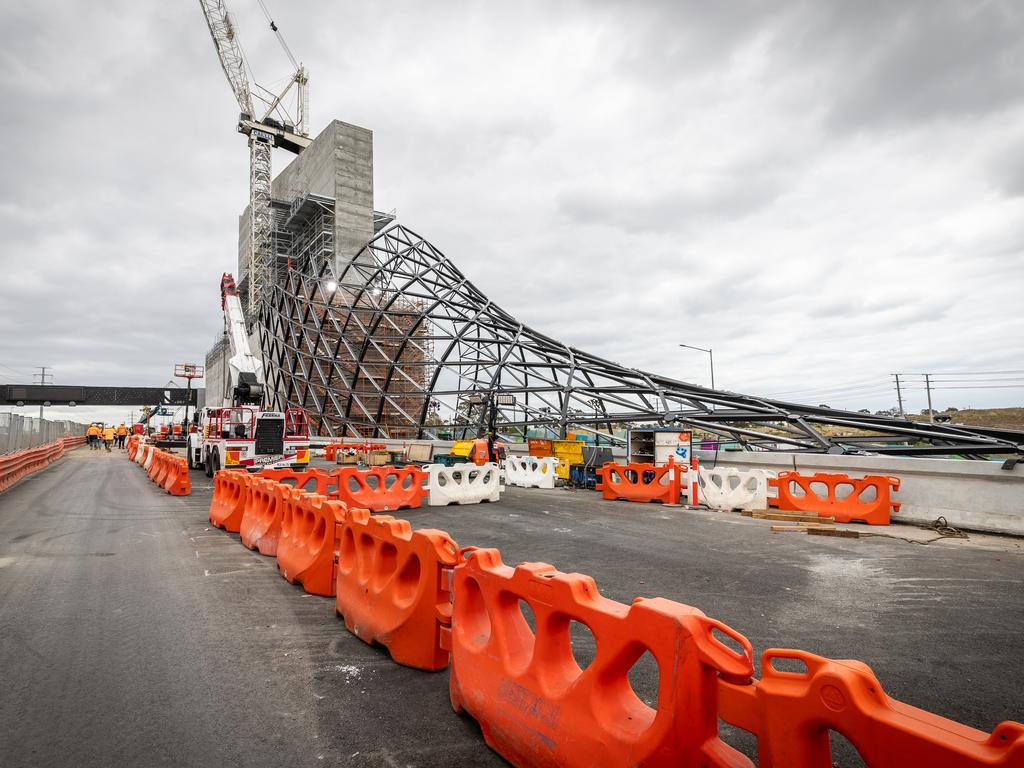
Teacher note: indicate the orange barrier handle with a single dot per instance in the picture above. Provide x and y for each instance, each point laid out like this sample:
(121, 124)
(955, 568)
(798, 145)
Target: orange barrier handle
(792, 713)
(732, 665)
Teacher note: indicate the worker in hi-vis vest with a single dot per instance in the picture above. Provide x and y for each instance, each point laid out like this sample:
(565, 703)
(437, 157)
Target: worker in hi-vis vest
(92, 436)
(108, 437)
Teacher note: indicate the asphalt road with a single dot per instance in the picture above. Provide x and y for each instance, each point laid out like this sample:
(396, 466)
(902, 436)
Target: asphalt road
(132, 633)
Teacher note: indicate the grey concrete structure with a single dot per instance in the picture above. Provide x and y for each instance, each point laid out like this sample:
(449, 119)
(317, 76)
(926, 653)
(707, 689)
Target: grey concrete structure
(337, 170)
(338, 165)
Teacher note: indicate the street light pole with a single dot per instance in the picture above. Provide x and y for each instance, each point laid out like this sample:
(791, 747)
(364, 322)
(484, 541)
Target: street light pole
(711, 357)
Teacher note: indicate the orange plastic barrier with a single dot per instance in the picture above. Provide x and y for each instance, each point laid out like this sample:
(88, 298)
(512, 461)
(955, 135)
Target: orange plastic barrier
(307, 548)
(15, 466)
(393, 488)
(791, 714)
(392, 586)
(851, 507)
(324, 481)
(534, 703)
(170, 472)
(133, 446)
(640, 482)
(230, 487)
(331, 451)
(261, 521)
(542, 449)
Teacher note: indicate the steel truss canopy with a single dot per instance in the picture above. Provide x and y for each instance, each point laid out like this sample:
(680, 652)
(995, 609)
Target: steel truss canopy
(48, 394)
(401, 344)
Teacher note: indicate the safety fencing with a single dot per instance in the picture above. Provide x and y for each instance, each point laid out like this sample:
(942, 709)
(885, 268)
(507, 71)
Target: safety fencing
(20, 433)
(462, 484)
(537, 705)
(335, 451)
(730, 488)
(507, 635)
(307, 547)
(381, 489)
(168, 471)
(865, 499)
(792, 713)
(392, 586)
(230, 492)
(17, 465)
(643, 482)
(260, 527)
(530, 471)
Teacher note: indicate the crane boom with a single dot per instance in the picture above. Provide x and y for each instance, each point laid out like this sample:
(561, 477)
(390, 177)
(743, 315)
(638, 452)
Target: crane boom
(225, 40)
(264, 132)
(245, 370)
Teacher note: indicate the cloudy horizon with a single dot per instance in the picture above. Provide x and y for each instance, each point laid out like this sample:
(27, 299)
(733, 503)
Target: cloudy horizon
(824, 194)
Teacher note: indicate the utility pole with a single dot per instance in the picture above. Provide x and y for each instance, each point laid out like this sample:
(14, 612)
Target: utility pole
(42, 376)
(928, 387)
(711, 358)
(899, 395)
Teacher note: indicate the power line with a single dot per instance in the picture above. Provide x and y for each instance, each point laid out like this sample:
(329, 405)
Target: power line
(15, 370)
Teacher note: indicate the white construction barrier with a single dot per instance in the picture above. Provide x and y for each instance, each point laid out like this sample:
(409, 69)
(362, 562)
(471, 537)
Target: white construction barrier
(462, 484)
(731, 488)
(530, 471)
(149, 457)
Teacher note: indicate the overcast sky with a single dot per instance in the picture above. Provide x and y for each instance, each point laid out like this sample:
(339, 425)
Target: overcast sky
(824, 192)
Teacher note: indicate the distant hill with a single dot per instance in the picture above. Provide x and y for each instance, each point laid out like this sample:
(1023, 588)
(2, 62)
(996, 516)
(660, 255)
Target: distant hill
(1005, 418)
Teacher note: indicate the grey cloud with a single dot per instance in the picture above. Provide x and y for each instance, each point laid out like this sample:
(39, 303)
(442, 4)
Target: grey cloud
(732, 196)
(902, 63)
(593, 167)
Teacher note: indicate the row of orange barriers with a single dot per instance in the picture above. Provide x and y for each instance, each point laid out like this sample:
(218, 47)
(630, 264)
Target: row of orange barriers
(648, 482)
(432, 604)
(847, 499)
(387, 580)
(15, 466)
(168, 471)
(331, 451)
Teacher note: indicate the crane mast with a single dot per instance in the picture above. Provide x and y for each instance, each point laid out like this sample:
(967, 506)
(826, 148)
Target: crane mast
(264, 133)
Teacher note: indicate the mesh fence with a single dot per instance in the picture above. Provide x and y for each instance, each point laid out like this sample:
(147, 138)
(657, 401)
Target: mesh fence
(19, 432)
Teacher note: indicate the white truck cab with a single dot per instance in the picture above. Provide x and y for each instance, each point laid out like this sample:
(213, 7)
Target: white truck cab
(244, 437)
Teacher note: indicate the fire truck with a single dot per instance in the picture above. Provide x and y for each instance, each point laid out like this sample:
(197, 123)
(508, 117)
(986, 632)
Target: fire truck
(242, 435)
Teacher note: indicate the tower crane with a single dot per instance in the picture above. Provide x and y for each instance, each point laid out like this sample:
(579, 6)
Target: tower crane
(275, 127)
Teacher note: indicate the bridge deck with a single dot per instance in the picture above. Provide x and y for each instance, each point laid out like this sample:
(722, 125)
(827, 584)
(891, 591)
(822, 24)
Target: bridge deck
(133, 633)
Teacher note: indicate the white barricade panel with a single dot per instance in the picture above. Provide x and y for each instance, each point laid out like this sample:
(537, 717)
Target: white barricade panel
(530, 471)
(462, 484)
(732, 488)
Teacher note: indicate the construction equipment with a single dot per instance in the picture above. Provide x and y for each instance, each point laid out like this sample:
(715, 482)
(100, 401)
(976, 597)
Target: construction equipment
(242, 435)
(277, 127)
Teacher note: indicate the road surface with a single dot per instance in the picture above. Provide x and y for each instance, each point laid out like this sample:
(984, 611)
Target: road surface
(132, 633)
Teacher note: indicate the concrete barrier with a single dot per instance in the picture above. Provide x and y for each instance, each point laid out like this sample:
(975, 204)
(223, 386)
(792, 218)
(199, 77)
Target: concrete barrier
(974, 495)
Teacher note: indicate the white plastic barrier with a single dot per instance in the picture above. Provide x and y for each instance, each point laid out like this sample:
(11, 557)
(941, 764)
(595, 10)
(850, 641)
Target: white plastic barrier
(530, 471)
(462, 484)
(149, 457)
(731, 488)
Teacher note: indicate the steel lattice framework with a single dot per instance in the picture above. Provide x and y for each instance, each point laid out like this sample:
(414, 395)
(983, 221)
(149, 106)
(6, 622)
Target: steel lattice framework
(401, 344)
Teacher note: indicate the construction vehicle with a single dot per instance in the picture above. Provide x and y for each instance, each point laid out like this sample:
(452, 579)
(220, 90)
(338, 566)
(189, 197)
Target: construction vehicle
(241, 434)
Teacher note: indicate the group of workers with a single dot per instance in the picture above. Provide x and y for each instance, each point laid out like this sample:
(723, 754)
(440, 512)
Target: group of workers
(100, 436)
